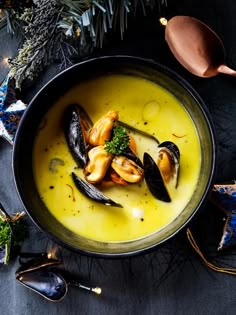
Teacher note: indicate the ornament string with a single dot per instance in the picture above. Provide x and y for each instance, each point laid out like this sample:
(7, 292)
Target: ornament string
(231, 271)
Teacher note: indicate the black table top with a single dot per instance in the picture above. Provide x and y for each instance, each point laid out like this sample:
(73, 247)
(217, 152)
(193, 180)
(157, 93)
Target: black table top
(170, 279)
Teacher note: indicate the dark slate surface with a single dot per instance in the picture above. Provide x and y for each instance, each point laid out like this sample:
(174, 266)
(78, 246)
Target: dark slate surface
(170, 280)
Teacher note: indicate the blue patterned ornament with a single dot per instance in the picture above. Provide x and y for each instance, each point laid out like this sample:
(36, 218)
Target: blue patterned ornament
(224, 196)
(11, 109)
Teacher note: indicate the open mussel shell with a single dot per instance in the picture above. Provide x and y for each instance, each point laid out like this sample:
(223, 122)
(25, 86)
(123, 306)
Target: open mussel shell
(132, 156)
(92, 192)
(76, 121)
(36, 275)
(168, 158)
(154, 179)
(36, 264)
(48, 284)
(40, 275)
(172, 147)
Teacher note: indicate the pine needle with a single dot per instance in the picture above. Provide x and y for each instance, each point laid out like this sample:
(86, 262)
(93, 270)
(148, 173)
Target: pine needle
(60, 30)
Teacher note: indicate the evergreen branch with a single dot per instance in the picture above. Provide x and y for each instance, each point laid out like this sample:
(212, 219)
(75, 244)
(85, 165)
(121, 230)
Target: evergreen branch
(78, 6)
(61, 29)
(40, 30)
(9, 19)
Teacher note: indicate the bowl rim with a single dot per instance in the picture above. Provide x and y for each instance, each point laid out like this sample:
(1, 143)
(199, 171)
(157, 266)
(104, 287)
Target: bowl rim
(202, 106)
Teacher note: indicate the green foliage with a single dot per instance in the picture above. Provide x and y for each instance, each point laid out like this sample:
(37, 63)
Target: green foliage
(5, 232)
(62, 30)
(119, 143)
(41, 41)
(15, 232)
(9, 19)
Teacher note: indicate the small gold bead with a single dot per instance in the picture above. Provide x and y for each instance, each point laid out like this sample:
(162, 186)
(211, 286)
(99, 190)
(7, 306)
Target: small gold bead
(163, 21)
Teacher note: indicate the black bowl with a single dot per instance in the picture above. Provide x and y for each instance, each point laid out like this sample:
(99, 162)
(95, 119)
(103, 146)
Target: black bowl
(58, 86)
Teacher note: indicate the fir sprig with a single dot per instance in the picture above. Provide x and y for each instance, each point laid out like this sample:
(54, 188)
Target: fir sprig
(63, 29)
(9, 19)
(40, 33)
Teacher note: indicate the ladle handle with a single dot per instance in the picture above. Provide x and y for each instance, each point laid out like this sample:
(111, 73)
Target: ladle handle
(226, 70)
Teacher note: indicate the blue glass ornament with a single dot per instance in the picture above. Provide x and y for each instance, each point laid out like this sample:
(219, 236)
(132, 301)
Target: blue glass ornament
(11, 109)
(224, 196)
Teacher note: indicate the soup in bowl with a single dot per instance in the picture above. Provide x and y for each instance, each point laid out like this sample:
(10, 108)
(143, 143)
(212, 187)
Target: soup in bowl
(114, 156)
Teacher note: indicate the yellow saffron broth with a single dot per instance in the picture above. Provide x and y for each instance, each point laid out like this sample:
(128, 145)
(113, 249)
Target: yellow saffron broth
(144, 105)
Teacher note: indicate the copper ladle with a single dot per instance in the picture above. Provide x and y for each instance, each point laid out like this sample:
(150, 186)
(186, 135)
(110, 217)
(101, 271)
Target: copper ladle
(196, 46)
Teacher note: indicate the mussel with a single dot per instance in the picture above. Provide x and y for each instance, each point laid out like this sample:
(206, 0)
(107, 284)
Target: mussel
(92, 192)
(154, 179)
(76, 126)
(162, 175)
(131, 155)
(127, 169)
(40, 275)
(168, 157)
(102, 129)
(46, 283)
(99, 162)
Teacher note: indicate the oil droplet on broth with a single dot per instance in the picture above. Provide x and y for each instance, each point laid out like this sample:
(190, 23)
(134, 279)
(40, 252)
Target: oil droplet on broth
(151, 110)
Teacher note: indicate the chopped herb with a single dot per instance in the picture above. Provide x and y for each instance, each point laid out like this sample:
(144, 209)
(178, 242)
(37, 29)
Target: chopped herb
(119, 142)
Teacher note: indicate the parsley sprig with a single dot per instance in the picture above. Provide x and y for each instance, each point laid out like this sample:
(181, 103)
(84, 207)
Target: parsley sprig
(119, 142)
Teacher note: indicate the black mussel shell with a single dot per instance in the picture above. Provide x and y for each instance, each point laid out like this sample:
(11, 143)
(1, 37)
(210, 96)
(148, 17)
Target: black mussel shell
(73, 130)
(37, 264)
(146, 134)
(154, 179)
(48, 284)
(133, 157)
(174, 153)
(172, 147)
(92, 192)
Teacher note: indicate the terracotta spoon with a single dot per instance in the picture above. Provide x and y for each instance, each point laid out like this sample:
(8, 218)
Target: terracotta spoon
(196, 46)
